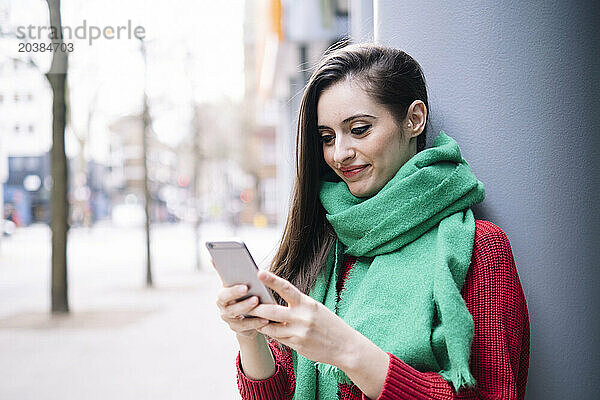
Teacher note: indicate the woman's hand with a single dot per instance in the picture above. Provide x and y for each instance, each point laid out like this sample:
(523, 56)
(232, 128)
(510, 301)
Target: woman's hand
(232, 310)
(304, 324)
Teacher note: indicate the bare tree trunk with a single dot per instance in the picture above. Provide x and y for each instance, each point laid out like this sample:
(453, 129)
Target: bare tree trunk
(147, 196)
(57, 77)
(196, 182)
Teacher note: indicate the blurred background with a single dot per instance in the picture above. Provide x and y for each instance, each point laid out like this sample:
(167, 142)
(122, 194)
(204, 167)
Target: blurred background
(196, 119)
(182, 129)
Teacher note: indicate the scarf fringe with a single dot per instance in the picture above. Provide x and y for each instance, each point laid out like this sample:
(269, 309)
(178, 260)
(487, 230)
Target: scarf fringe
(460, 379)
(338, 374)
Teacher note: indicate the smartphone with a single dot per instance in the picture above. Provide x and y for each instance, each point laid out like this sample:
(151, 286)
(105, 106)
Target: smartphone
(235, 266)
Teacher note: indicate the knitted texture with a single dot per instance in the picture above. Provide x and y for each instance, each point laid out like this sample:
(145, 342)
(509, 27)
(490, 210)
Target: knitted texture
(500, 349)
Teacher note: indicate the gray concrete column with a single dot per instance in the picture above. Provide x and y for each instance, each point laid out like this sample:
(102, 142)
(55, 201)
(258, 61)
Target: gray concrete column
(517, 84)
(361, 20)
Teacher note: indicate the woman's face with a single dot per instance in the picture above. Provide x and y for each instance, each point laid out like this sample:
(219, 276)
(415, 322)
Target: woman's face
(362, 142)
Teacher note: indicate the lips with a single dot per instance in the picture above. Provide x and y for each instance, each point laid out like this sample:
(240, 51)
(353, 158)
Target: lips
(352, 171)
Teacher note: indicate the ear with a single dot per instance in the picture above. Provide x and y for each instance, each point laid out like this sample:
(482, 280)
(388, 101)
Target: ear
(416, 118)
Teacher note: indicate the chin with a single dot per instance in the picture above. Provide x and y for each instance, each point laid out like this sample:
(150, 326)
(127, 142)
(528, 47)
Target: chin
(360, 192)
(363, 191)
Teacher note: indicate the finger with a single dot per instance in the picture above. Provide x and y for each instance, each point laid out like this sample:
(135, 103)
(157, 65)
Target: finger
(285, 289)
(248, 324)
(273, 312)
(229, 294)
(241, 307)
(276, 331)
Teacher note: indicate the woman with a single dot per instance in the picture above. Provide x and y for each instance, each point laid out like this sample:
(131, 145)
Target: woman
(387, 286)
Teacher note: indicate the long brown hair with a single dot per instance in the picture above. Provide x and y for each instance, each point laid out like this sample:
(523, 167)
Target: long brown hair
(392, 78)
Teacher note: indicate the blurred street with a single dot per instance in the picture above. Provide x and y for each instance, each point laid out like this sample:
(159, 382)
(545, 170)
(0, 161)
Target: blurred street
(121, 340)
(166, 120)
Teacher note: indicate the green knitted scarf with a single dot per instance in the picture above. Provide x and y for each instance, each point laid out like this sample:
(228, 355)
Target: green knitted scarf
(414, 241)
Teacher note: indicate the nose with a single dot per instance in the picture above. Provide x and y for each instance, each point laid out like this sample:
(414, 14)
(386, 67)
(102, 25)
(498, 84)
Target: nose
(343, 150)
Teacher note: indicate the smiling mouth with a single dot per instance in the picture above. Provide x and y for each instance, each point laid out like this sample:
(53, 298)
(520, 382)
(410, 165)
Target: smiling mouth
(354, 172)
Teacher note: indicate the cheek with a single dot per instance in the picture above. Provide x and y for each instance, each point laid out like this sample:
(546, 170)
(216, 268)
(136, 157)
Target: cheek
(381, 153)
(328, 156)
(386, 159)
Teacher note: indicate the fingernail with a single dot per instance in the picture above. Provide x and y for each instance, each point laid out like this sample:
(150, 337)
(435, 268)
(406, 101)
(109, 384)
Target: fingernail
(242, 289)
(253, 300)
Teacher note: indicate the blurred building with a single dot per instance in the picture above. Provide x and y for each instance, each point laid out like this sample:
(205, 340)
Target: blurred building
(99, 200)
(217, 158)
(4, 16)
(25, 140)
(3, 170)
(25, 143)
(282, 41)
(125, 165)
(124, 176)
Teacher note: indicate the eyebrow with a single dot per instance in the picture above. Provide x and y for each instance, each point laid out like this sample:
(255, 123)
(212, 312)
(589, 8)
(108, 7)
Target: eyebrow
(348, 120)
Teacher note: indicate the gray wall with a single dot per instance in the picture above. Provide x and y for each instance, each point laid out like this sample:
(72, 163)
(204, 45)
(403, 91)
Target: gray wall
(518, 85)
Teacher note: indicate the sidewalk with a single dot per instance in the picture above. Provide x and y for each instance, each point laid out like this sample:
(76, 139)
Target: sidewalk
(121, 340)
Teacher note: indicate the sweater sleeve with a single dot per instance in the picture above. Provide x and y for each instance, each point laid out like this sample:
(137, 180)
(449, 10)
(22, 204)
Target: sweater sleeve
(280, 386)
(500, 350)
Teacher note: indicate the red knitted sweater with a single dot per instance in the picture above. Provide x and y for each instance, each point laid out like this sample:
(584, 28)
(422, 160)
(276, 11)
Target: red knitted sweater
(500, 351)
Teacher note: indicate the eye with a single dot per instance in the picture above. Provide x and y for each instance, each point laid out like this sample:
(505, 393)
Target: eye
(360, 129)
(326, 139)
